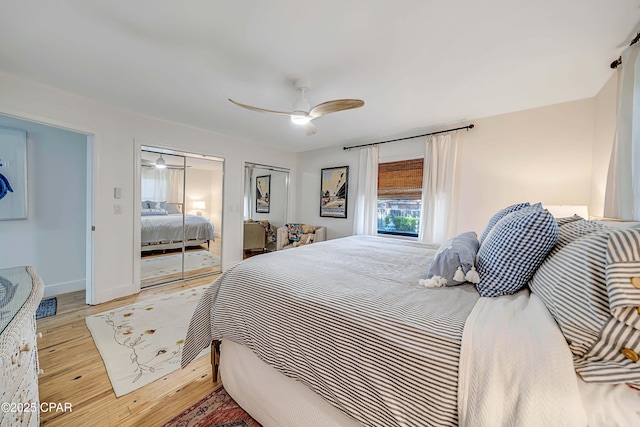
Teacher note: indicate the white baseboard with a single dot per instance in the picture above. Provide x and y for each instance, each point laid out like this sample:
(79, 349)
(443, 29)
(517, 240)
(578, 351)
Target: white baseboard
(80, 285)
(52, 290)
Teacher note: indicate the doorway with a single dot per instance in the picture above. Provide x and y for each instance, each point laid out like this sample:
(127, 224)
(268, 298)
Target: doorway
(180, 215)
(55, 237)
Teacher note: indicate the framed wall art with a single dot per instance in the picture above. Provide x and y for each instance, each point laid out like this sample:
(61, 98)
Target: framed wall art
(263, 190)
(333, 191)
(13, 174)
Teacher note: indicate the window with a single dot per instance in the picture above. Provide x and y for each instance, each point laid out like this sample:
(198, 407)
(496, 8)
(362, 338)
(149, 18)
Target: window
(400, 197)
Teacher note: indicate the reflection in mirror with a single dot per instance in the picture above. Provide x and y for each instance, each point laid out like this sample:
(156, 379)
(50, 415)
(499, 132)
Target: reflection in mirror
(203, 203)
(181, 211)
(265, 207)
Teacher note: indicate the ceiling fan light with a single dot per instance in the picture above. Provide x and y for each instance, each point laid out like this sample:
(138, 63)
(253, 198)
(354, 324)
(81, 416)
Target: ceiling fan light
(160, 163)
(300, 119)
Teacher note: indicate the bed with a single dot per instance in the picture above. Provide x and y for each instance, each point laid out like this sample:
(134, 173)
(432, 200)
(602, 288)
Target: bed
(357, 331)
(164, 231)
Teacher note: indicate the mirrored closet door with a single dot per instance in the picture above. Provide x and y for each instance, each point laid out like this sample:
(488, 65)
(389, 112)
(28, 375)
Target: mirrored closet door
(180, 215)
(266, 197)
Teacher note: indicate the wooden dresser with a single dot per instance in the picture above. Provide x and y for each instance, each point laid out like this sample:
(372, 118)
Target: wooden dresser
(20, 293)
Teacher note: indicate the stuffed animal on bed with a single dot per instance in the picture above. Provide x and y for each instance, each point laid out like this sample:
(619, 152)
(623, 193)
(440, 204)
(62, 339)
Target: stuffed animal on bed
(308, 229)
(305, 239)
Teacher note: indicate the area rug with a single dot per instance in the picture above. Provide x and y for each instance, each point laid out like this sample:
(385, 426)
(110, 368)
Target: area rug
(217, 409)
(47, 307)
(157, 266)
(142, 342)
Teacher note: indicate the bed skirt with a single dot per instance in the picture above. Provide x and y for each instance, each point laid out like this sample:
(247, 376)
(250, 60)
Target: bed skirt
(271, 398)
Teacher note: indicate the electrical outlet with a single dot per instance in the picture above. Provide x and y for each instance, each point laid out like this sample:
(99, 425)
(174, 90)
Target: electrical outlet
(117, 209)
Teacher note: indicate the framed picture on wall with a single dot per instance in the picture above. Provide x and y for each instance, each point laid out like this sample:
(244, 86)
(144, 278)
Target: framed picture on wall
(333, 191)
(13, 174)
(263, 193)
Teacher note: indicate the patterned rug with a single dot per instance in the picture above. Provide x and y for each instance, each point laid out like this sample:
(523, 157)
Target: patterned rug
(217, 409)
(47, 307)
(142, 342)
(157, 266)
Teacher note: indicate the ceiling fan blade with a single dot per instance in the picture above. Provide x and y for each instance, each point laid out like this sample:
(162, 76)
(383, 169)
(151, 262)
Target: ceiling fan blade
(310, 128)
(152, 164)
(260, 110)
(333, 106)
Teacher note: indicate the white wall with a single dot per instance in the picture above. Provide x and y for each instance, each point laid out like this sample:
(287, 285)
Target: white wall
(308, 212)
(538, 155)
(603, 134)
(114, 133)
(52, 238)
(198, 187)
(542, 154)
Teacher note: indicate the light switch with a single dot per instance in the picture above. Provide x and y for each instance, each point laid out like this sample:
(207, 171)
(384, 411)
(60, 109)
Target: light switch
(117, 192)
(117, 209)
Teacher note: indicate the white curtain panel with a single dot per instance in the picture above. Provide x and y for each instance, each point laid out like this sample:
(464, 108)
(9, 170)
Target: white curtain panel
(366, 215)
(175, 191)
(438, 216)
(622, 196)
(154, 184)
(160, 185)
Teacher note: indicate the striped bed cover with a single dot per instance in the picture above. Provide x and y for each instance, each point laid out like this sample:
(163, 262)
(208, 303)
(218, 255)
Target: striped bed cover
(348, 319)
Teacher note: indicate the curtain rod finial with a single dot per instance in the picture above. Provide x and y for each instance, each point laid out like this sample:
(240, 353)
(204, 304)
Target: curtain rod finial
(615, 64)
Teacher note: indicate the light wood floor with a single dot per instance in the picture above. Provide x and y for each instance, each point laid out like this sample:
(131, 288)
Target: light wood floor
(74, 371)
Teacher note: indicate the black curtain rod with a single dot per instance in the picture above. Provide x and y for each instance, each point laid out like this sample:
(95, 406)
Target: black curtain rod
(615, 64)
(471, 126)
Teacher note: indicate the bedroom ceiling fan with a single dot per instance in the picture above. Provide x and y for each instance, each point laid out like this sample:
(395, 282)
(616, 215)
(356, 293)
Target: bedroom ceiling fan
(302, 114)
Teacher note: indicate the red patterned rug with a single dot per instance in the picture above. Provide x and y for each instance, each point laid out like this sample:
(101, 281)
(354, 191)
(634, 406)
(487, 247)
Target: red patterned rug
(217, 409)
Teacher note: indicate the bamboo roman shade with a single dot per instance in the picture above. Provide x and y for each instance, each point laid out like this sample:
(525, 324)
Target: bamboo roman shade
(400, 180)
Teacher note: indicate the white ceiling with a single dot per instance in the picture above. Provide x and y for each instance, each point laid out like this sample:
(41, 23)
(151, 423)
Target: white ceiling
(417, 64)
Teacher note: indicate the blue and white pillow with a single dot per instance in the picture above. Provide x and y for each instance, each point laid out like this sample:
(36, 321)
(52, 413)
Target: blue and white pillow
(568, 219)
(173, 208)
(455, 258)
(573, 230)
(153, 211)
(588, 287)
(498, 216)
(514, 249)
(157, 205)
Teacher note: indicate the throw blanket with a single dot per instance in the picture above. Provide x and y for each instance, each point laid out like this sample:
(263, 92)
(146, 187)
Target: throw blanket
(348, 319)
(516, 368)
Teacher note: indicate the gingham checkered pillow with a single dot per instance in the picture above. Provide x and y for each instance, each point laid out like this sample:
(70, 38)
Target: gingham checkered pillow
(499, 215)
(514, 249)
